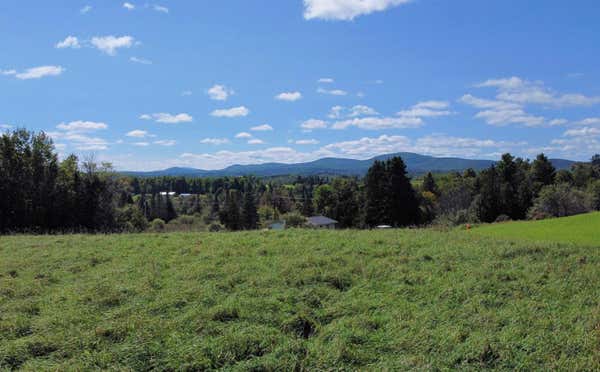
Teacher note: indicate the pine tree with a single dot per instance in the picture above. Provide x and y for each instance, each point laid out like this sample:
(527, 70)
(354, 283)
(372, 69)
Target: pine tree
(403, 204)
(375, 195)
(249, 211)
(429, 184)
(543, 172)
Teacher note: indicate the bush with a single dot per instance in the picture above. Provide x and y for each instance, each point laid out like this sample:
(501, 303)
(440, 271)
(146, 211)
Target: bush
(503, 218)
(131, 219)
(294, 219)
(560, 201)
(215, 227)
(158, 225)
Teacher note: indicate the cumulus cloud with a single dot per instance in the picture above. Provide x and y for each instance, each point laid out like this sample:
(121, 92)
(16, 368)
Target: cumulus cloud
(86, 9)
(262, 128)
(255, 141)
(82, 126)
(39, 72)
(332, 92)
(231, 113)
(326, 80)
(141, 144)
(346, 10)
(338, 112)
(583, 132)
(289, 96)
(110, 44)
(376, 123)
(243, 135)
(5, 126)
(160, 8)
(140, 60)
(8, 72)
(214, 141)
(138, 133)
(501, 113)
(427, 109)
(165, 142)
(219, 92)
(80, 141)
(311, 124)
(166, 118)
(68, 42)
(307, 142)
(128, 6)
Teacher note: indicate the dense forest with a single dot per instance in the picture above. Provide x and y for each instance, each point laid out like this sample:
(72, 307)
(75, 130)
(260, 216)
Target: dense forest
(43, 194)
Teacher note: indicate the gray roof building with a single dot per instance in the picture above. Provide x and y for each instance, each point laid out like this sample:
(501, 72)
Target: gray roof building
(321, 222)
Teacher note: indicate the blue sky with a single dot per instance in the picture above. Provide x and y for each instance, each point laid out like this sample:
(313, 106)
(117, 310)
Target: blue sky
(149, 85)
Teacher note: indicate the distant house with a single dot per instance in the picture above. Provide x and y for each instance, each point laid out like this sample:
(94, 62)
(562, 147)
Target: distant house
(185, 195)
(169, 193)
(321, 222)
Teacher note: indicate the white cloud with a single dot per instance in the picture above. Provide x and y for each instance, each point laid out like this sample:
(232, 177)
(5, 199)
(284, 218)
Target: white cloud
(307, 142)
(500, 113)
(376, 123)
(8, 72)
(162, 117)
(289, 96)
(243, 135)
(160, 8)
(141, 144)
(215, 141)
(165, 142)
(332, 92)
(219, 92)
(521, 91)
(337, 112)
(86, 9)
(40, 72)
(583, 132)
(325, 80)
(137, 133)
(255, 141)
(368, 147)
(427, 109)
(589, 121)
(128, 6)
(69, 42)
(261, 128)
(346, 10)
(556, 122)
(311, 124)
(82, 126)
(5, 126)
(80, 141)
(231, 113)
(110, 44)
(140, 60)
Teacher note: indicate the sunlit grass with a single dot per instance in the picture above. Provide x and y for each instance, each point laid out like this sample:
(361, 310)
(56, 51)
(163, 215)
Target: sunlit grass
(377, 300)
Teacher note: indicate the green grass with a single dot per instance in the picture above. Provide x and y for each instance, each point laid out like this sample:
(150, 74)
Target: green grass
(581, 229)
(304, 300)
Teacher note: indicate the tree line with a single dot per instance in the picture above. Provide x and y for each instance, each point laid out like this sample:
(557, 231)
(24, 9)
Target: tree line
(43, 194)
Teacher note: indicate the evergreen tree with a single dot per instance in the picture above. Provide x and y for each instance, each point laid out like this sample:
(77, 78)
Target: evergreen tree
(375, 195)
(543, 172)
(403, 205)
(429, 184)
(249, 212)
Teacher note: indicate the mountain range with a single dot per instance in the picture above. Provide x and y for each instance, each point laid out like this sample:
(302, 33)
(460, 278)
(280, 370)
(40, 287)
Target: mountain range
(416, 164)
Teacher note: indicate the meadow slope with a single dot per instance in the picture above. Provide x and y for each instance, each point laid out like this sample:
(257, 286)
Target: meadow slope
(583, 229)
(304, 300)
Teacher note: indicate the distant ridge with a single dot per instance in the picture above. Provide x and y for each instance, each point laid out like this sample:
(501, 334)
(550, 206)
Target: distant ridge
(416, 164)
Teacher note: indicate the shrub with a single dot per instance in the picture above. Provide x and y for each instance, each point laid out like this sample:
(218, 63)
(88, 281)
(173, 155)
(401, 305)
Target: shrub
(503, 218)
(294, 219)
(157, 225)
(560, 201)
(215, 227)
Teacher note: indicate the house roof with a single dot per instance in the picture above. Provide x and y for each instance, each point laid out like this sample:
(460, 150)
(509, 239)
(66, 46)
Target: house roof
(321, 220)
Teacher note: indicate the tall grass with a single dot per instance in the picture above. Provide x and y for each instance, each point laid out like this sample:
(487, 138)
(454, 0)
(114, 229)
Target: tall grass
(303, 300)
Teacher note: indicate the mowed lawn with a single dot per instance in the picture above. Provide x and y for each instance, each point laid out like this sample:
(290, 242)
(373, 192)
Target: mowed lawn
(581, 229)
(297, 300)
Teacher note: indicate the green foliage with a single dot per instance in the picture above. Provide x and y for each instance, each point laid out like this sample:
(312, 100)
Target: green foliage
(560, 201)
(294, 219)
(157, 225)
(303, 300)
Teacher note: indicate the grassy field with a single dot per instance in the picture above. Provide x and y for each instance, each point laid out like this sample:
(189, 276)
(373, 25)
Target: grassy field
(304, 300)
(583, 229)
